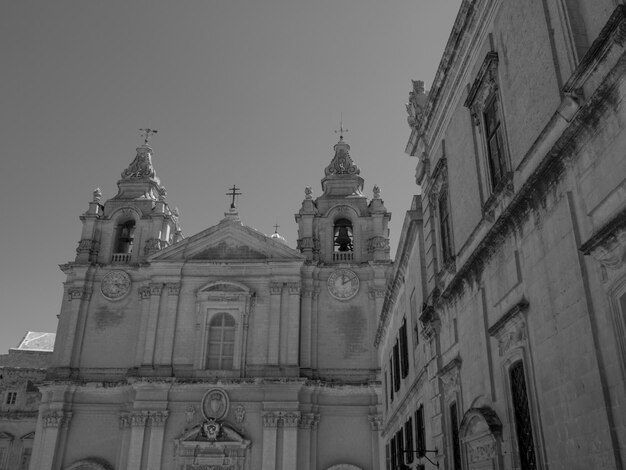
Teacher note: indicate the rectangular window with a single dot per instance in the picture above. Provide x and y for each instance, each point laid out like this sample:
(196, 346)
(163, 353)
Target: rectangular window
(400, 444)
(396, 366)
(386, 393)
(495, 148)
(444, 227)
(414, 318)
(404, 349)
(523, 425)
(394, 453)
(408, 440)
(391, 381)
(11, 398)
(456, 443)
(420, 431)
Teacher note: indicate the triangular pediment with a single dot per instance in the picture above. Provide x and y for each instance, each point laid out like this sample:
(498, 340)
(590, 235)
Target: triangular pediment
(228, 241)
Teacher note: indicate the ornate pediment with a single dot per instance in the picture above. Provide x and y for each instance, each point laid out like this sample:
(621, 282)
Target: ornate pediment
(228, 241)
(211, 445)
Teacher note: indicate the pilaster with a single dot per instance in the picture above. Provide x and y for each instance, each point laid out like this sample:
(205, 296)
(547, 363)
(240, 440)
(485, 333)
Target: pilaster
(138, 420)
(290, 421)
(270, 429)
(293, 323)
(156, 421)
(167, 329)
(151, 330)
(276, 290)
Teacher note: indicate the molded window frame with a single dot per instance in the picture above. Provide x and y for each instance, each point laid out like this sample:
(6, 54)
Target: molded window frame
(215, 298)
(483, 95)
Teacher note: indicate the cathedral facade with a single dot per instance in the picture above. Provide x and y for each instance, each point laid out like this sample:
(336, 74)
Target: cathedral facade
(224, 350)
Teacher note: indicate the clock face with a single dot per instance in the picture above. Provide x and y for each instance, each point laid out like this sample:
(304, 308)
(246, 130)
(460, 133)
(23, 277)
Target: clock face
(115, 284)
(343, 284)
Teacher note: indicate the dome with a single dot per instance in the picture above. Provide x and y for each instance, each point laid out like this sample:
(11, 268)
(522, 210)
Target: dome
(278, 237)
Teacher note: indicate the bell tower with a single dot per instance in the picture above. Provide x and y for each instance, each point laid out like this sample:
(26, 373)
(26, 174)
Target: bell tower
(132, 225)
(345, 239)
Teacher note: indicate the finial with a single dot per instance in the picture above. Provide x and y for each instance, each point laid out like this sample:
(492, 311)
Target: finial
(233, 193)
(308, 192)
(376, 191)
(341, 130)
(146, 134)
(97, 195)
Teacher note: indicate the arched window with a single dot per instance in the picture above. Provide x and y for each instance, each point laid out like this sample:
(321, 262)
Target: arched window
(221, 348)
(343, 236)
(124, 237)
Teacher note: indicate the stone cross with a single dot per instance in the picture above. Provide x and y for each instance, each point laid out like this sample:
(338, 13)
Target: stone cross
(147, 133)
(233, 193)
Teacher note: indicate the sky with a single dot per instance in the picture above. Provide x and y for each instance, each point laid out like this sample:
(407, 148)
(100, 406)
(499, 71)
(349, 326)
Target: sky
(241, 92)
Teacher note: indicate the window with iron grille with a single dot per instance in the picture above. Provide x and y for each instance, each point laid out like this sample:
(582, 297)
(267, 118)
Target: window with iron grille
(404, 349)
(521, 410)
(221, 348)
(391, 379)
(420, 431)
(444, 227)
(456, 443)
(408, 440)
(396, 366)
(495, 148)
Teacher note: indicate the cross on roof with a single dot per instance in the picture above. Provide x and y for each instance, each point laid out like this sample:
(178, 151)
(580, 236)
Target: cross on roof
(276, 227)
(147, 133)
(232, 192)
(341, 130)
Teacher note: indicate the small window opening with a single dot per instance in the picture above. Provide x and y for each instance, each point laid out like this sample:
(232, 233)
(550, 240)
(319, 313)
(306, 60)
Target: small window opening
(125, 237)
(11, 398)
(343, 236)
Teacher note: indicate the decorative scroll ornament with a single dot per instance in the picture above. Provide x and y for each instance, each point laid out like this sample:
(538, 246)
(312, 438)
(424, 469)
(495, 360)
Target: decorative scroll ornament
(341, 163)
(415, 106)
(141, 166)
(115, 284)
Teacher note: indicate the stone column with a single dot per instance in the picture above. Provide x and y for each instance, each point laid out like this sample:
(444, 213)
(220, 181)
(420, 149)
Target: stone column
(144, 298)
(167, 331)
(376, 422)
(153, 316)
(122, 453)
(270, 427)
(308, 423)
(305, 346)
(155, 447)
(315, 296)
(276, 289)
(53, 422)
(291, 420)
(72, 320)
(138, 421)
(293, 323)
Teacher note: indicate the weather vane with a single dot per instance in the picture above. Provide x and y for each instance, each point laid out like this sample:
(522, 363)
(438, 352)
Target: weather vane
(147, 133)
(341, 130)
(232, 192)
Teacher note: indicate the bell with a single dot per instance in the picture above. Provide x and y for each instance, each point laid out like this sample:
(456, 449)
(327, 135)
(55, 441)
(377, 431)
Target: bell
(343, 240)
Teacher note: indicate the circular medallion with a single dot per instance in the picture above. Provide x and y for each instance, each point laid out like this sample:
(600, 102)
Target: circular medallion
(115, 285)
(343, 284)
(215, 404)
